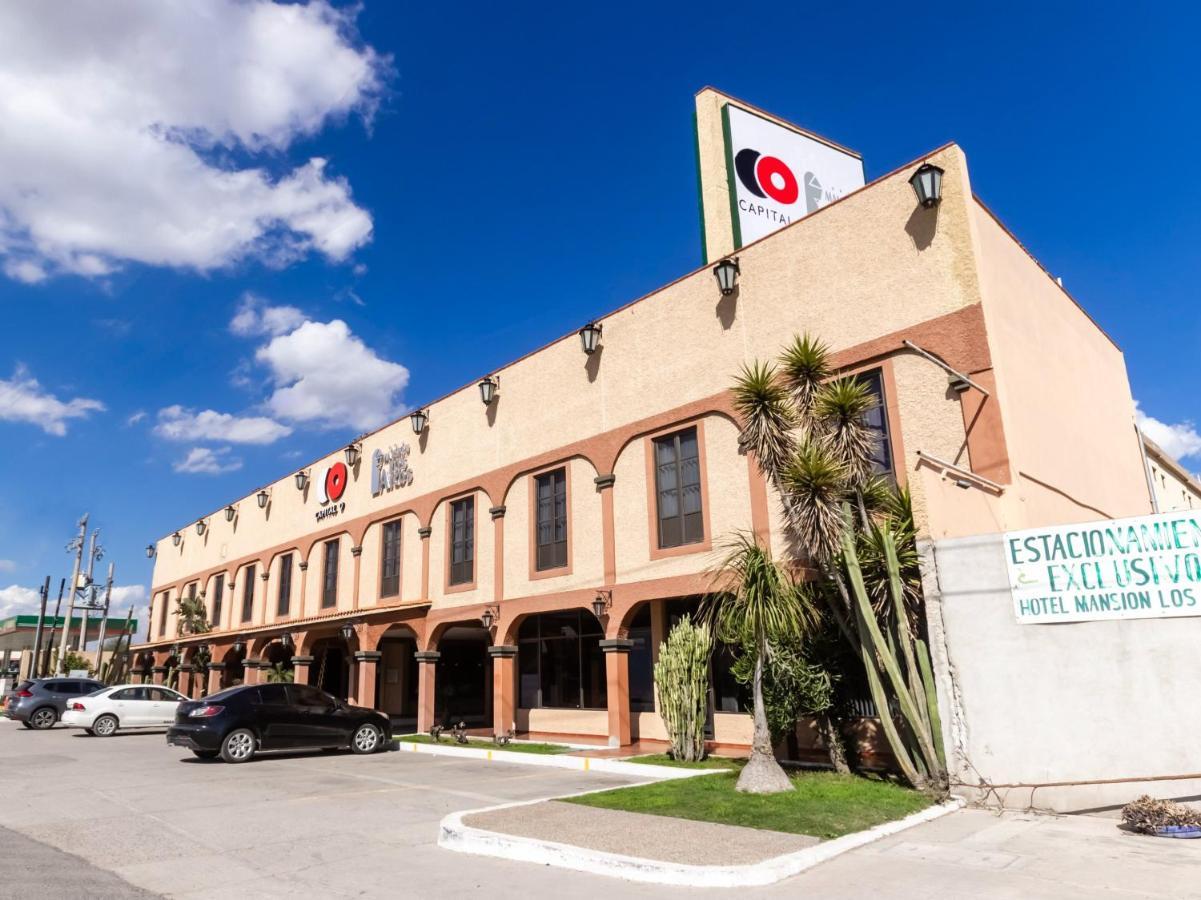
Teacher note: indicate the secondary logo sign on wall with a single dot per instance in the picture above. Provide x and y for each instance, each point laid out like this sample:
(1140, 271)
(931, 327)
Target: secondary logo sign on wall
(390, 469)
(779, 175)
(1138, 568)
(330, 490)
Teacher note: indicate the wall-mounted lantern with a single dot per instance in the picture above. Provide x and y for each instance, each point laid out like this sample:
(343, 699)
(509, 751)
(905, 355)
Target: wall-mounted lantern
(347, 631)
(419, 419)
(150, 551)
(727, 272)
(302, 479)
(488, 387)
(601, 603)
(353, 451)
(176, 538)
(489, 615)
(286, 640)
(239, 646)
(230, 512)
(927, 184)
(201, 527)
(590, 336)
(263, 497)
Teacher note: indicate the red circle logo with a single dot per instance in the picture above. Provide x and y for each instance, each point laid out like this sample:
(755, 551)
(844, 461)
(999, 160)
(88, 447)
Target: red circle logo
(335, 481)
(777, 180)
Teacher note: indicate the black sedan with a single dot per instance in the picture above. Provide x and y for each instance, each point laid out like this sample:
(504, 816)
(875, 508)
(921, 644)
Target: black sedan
(238, 722)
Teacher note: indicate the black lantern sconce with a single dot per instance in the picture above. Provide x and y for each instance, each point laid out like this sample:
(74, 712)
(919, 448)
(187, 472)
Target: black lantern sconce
(727, 272)
(302, 479)
(488, 386)
(602, 603)
(590, 336)
(419, 419)
(347, 631)
(286, 640)
(353, 451)
(150, 551)
(263, 496)
(489, 615)
(176, 538)
(239, 646)
(230, 512)
(201, 527)
(927, 184)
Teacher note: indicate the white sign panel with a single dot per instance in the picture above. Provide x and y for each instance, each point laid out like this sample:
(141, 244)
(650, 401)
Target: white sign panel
(1140, 568)
(778, 175)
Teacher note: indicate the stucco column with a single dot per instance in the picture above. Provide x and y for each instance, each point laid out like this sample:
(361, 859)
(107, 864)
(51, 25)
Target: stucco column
(367, 664)
(498, 552)
(427, 664)
(304, 580)
(504, 688)
(300, 669)
(251, 669)
(604, 484)
(617, 677)
(424, 534)
(216, 671)
(160, 674)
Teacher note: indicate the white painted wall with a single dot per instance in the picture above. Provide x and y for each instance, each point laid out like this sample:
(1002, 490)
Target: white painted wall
(1082, 701)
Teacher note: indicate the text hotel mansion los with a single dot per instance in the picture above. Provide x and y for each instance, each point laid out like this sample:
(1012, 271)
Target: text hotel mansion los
(456, 573)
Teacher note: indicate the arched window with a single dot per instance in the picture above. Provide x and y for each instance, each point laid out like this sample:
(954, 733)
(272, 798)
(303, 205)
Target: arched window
(560, 661)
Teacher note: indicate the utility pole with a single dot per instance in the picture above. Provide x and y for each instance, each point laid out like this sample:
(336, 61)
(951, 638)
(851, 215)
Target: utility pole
(77, 546)
(37, 634)
(108, 596)
(43, 666)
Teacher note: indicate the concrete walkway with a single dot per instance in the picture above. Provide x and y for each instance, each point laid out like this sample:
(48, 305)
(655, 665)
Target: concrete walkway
(637, 834)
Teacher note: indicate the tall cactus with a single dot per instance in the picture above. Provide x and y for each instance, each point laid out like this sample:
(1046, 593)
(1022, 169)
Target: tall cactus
(682, 679)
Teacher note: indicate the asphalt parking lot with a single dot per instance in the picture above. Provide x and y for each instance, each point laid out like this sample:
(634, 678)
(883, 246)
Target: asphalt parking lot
(130, 817)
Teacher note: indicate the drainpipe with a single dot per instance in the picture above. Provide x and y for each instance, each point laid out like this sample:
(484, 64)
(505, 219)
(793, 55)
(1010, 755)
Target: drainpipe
(1142, 449)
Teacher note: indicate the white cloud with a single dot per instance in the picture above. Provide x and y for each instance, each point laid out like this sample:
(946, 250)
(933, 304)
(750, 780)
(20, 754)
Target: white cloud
(136, 417)
(207, 461)
(1179, 441)
(325, 375)
(175, 423)
(255, 318)
(22, 399)
(125, 594)
(18, 601)
(154, 132)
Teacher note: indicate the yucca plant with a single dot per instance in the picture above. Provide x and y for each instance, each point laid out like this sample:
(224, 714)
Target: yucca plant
(836, 510)
(277, 674)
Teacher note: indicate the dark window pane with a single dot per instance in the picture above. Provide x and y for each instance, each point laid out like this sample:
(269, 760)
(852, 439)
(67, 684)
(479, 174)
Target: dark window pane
(551, 524)
(593, 685)
(218, 597)
(560, 659)
(329, 592)
(642, 676)
(877, 422)
(678, 489)
(527, 669)
(389, 582)
(248, 593)
(285, 585)
(462, 549)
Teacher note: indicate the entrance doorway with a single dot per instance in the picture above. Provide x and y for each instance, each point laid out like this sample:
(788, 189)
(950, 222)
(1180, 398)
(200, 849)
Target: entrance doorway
(463, 680)
(330, 669)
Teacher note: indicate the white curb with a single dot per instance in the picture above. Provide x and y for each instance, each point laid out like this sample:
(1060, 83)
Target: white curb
(558, 761)
(454, 835)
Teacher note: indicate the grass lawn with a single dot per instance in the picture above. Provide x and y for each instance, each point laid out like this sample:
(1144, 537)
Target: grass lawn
(480, 744)
(824, 804)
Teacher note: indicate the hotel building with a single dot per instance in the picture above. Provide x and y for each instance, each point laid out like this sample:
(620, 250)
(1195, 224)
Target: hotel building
(517, 562)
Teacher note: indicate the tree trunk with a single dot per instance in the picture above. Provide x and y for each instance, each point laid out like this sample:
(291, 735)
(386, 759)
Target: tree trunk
(762, 774)
(832, 738)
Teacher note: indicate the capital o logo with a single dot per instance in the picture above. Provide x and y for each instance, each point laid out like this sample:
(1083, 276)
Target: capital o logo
(766, 176)
(334, 484)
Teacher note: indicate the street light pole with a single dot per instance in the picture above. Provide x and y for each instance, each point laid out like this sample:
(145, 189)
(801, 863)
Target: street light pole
(77, 546)
(108, 596)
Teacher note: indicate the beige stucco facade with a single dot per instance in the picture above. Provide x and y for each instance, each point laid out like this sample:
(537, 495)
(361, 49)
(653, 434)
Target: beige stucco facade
(1175, 488)
(866, 274)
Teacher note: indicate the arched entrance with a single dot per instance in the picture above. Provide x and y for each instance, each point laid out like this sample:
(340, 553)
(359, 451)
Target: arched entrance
(330, 669)
(397, 676)
(234, 672)
(277, 659)
(463, 682)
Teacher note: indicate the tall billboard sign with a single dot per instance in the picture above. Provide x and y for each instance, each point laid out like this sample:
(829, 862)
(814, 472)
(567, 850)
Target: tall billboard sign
(778, 175)
(758, 173)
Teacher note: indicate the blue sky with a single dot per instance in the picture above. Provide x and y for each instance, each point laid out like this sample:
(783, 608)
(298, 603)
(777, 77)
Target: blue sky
(175, 266)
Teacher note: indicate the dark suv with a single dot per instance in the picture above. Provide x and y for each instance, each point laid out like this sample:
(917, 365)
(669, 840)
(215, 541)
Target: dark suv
(38, 703)
(240, 721)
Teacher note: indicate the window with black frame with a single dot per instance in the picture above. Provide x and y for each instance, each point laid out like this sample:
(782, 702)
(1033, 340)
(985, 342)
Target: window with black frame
(641, 662)
(248, 593)
(877, 422)
(678, 489)
(551, 520)
(462, 541)
(389, 574)
(560, 663)
(283, 599)
(218, 598)
(329, 585)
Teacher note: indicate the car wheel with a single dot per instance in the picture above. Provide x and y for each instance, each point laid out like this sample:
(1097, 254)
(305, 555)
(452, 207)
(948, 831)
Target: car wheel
(238, 746)
(26, 723)
(105, 726)
(366, 739)
(205, 754)
(43, 718)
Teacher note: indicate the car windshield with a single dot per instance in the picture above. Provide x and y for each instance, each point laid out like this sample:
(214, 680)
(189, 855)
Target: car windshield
(97, 692)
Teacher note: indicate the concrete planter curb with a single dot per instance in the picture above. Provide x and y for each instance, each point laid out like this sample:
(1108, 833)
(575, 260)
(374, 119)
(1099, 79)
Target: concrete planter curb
(557, 761)
(454, 835)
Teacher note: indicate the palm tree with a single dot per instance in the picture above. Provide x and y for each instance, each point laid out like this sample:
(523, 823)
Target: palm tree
(191, 615)
(809, 438)
(758, 602)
